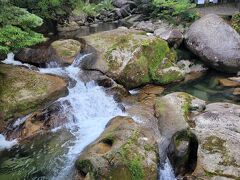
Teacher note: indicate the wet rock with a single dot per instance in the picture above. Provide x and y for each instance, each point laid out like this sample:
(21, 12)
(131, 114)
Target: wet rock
(66, 50)
(38, 152)
(60, 51)
(123, 151)
(182, 152)
(36, 56)
(215, 42)
(236, 91)
(24, 91)
(3, 57)
(117, 91)
(229, 82)
(218, 133)
(38, 122)
(151, 89)
(124, 56)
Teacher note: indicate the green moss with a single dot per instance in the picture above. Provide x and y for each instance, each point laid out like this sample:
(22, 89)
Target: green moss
(212, 174)
(167, 76)
(184, 135)
(148, 147)
(236, 22)
(186, 107)
(160, 107)
(132, 160)
(21, 91)
(214, 144)
(155, 53)
(135, 167)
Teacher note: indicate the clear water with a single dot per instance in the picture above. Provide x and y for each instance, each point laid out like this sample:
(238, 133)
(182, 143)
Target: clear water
(208, 88)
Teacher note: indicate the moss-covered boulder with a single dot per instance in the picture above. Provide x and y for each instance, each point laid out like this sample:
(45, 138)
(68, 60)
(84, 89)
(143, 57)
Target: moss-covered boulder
(218, 130)
(132, 58)
(123, 151)
(66, 50)
(23, 91)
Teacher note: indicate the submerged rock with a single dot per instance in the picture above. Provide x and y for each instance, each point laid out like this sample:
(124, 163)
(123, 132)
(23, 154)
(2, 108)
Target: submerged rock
(215, 42)
(38, 122)
(132, 58)
(23, 91)
(123, 151)
(230, 82)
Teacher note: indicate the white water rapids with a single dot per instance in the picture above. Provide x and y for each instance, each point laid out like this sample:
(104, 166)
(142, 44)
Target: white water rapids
(89, 109)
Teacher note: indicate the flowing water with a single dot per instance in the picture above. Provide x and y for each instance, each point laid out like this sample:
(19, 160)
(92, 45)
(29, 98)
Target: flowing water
(88, 109)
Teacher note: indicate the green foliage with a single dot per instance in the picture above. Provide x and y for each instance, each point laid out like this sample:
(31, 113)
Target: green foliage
(236, 22)
(56, 10)
(91, 9)
(175, 10)
(16, 28)
(12, 38)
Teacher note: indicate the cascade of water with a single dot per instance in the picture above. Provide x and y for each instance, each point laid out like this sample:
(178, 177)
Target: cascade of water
(90, 111)
(166, 172)
(4, 144)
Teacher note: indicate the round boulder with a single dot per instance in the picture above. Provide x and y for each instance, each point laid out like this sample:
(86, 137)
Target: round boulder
(215, 42)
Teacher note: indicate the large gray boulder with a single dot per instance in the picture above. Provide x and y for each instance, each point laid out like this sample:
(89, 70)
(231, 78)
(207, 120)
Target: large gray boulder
(215, 42)
(218, 132)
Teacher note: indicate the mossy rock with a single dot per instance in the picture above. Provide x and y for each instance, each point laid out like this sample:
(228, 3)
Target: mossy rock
(23, 91)
(66, 50)
(132, 58)
(124, 151)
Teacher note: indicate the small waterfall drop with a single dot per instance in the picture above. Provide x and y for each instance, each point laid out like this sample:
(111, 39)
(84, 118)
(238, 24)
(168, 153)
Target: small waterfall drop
(166, 172)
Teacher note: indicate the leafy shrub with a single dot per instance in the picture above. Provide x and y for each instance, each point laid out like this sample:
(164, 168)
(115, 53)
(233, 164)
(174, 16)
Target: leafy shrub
(92, 9)
(16, 28)
(50, 10)
(174, 10)
(236, 22)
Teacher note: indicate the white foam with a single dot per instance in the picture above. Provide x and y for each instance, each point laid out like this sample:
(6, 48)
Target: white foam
(10, 60)
(4, 144)
(89, 111)
(166, 172)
